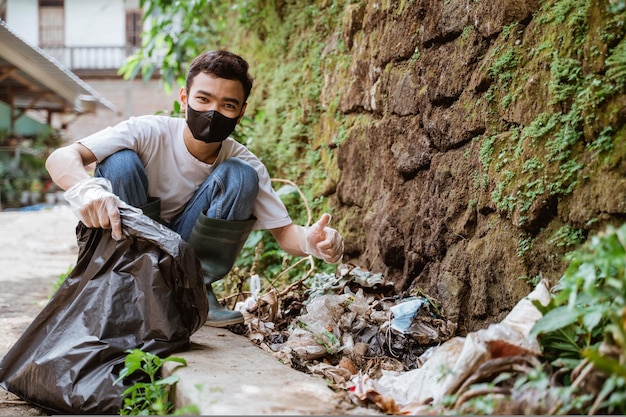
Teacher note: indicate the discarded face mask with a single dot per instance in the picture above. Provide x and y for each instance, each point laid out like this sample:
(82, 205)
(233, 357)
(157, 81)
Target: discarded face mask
(404, 312)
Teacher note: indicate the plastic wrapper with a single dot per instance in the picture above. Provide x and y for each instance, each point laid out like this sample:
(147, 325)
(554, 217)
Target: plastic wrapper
(450, 364)
(322, 318)
(143, 292)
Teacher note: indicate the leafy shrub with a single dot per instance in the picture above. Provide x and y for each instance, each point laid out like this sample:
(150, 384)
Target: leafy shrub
(585, 320)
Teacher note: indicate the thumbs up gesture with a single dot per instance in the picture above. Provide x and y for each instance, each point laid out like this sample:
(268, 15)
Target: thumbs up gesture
(322, 241)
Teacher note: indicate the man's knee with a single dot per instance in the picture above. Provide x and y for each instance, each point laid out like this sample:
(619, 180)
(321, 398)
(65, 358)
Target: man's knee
(247, 176)
(120, 163)
(127, 175)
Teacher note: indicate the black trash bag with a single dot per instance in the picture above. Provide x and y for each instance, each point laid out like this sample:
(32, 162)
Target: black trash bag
(145, 291)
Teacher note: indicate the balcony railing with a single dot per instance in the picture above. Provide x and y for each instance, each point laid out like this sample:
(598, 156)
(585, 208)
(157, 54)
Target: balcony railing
(91, 57)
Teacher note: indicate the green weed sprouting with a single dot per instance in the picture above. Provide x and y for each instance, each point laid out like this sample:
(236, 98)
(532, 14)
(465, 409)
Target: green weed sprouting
(616, 65)
(532, 165)
(151, 397)
(486, 151)
(603, 143)
(577, 100)
(565, 77)
(524, 244)
(61, 279)
(567, 236)
(505, 63)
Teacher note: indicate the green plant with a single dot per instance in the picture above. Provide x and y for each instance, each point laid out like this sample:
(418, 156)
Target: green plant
(261, 254)
(152, 396)
(581, 103)
(61, 279)
(524, 244)
(203, 24)
(617, 6)
(416, 55)
(532, 165)
(566, 74)
(486, 151)
(507, 100)
(503, 64)
(616, 66)
(482, 405)
(50, 139)
(603, 143)
(466, 32)
(585, 320)
(531, 280)
(567, 236)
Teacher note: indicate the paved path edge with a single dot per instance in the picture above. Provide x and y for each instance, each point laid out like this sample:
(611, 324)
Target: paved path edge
(226, 374)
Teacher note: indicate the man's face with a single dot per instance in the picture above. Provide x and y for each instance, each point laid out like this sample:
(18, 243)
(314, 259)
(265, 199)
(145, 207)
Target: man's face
(208, 92)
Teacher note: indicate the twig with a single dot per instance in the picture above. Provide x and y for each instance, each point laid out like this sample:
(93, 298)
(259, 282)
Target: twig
(14, 402)
(301, 280)
(522, 364)
(238, 294)
(309, 258)
(479, 392)
(302, 196)
(258, 249)
(588, 367)
(597, 403)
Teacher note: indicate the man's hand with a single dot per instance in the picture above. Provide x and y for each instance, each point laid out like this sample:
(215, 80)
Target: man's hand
(103, 212)
(95, 205)
(322, 241)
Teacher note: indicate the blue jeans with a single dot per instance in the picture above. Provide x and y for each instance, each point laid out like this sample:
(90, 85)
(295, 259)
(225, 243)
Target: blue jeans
(228, 193)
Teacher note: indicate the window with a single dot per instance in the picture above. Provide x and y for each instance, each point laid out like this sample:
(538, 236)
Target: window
(3, 10)
(133, 28)
(51, 23)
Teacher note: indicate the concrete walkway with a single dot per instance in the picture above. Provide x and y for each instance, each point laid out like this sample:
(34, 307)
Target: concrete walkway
(226, 373)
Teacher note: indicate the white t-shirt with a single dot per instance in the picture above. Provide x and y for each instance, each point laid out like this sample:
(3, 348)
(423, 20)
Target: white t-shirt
(174, 174)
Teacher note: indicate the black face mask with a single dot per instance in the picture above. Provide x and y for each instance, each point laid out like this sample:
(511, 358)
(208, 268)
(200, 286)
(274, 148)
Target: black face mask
(210, 126)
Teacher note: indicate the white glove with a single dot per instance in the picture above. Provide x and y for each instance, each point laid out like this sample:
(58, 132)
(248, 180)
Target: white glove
(321, 241)
(95, 205)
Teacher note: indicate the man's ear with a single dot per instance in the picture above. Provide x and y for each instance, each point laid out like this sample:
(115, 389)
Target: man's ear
(243, 111)
(182, 95)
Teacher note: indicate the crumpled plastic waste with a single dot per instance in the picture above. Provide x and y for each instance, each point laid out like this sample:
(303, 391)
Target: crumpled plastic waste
(399, 355)
(347, 319)
(322, 320)
(324, 283)
(447, 367)
(250, 303)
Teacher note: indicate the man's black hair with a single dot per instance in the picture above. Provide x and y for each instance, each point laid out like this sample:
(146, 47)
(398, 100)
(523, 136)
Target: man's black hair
(222, 64)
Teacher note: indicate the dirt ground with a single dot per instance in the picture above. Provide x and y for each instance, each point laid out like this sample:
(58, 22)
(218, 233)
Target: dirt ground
(36, 247)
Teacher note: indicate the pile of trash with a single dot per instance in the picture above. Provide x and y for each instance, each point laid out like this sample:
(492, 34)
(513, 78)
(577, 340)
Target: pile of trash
(394, 353)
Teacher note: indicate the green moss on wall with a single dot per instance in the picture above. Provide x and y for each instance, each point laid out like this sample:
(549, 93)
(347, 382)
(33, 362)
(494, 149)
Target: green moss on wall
(572, 134)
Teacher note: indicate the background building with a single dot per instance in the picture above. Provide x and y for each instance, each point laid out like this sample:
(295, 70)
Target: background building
(59, 82)
(92, 38)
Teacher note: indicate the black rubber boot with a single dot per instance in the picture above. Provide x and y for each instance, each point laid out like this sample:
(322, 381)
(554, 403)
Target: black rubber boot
(152, 208)
(217, 244)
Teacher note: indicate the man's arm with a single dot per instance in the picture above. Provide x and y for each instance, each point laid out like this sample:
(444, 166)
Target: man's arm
(319, 240)
(288, 239)
(67, 165)
(94, 205)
